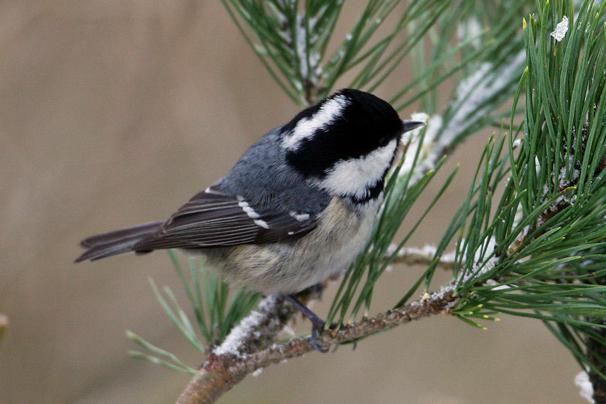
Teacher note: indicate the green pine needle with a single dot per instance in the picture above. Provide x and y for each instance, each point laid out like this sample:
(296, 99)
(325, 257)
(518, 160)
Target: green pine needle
(530, 236)
(216, 310)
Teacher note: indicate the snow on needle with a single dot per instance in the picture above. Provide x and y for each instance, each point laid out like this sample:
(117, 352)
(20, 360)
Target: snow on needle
(561, 29)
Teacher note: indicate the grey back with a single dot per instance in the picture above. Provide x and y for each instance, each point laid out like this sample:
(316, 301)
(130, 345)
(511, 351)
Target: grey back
(264, 179)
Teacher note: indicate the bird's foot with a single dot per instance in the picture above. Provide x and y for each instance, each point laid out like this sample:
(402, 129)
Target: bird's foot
(317, 323)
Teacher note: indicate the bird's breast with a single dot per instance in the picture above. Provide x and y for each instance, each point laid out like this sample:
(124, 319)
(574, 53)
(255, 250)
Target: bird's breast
(342, 232)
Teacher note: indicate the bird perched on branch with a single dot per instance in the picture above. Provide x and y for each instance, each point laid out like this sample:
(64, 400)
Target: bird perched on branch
(297, 207)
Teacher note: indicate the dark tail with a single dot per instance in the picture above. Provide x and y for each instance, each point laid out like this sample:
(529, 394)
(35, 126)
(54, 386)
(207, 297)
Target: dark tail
(115, 242)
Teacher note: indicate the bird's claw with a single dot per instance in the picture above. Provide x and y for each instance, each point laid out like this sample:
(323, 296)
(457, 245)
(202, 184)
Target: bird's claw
(315, 340)
(317, 323)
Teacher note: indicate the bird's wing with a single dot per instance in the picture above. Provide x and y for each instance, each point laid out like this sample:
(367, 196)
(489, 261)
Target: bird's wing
(213, 218)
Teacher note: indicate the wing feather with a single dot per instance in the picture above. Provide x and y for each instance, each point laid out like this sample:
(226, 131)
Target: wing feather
(213, 218)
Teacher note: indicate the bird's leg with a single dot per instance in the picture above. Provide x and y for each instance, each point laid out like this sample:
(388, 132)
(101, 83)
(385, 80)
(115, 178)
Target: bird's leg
(317, 322)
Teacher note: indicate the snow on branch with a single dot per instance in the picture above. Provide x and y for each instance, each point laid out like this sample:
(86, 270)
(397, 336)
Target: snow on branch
(585, 387)
(421, 256)
(471, 104)
(223, 371)
(257, 329)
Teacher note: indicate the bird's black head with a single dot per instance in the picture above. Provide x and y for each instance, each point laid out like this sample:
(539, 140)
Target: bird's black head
(345, 143)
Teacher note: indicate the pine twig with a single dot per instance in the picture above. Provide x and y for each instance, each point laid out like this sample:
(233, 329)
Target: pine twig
(423, 256)
(221, 372)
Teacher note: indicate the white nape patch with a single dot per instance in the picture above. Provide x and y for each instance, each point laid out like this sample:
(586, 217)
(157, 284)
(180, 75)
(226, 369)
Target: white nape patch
(306, 127)
(354, 177)
(262, 223)
(300, 217)
(248, 210)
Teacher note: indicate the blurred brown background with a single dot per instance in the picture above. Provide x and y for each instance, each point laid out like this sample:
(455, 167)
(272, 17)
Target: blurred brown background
(114, 112)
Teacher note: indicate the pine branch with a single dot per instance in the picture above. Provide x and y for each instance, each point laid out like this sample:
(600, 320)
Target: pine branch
(291, 39)
(537, 251)
(543, 253)
(221, 372)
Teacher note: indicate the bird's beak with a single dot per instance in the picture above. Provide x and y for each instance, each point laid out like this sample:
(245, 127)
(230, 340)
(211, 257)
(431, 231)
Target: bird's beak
(411, 125)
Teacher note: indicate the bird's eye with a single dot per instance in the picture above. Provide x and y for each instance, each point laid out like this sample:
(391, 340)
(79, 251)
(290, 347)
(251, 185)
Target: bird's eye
(383, 141)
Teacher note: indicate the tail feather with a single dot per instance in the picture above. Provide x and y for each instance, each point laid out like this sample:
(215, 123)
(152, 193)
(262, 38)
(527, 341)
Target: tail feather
(115, 242)
(104, 238)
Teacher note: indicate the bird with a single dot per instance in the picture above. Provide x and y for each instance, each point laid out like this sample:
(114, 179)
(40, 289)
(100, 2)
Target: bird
(296, 209)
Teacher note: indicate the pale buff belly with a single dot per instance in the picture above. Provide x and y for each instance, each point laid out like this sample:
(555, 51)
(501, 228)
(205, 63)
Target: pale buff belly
(291, 267)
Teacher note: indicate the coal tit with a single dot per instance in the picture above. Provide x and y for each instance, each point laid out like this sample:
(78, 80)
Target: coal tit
(297, 207)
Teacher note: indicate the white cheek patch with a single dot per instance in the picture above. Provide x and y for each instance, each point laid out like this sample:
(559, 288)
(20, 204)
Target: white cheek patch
(355, 176)
(306, 127)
